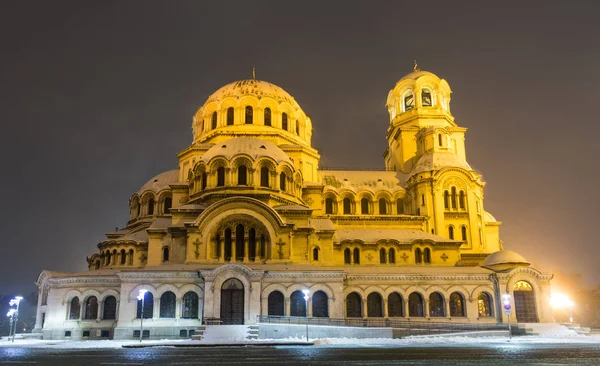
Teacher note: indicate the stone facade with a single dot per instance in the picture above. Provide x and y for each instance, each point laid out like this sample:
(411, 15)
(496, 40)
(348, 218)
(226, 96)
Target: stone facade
(248, 220)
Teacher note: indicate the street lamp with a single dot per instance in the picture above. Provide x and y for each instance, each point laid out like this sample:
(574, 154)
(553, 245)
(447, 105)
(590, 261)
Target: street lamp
(507, 307)
(558, 300)
(306, 293)
(16, 301)
(141, 297)
(10, 315)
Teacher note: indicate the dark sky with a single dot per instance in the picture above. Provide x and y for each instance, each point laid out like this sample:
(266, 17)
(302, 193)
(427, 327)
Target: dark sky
(96, 97)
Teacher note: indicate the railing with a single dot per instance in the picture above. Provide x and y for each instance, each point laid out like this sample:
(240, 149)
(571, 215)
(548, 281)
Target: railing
(401, 327)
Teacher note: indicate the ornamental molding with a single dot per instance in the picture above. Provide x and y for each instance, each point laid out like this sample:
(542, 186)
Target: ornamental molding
(525, 270)
(104, 280)
(211, 275)
(134, 276)
(417, 278)
(340, 275)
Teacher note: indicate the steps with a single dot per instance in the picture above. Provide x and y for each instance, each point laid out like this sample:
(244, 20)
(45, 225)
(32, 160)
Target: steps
(224, 333)
(545, 330)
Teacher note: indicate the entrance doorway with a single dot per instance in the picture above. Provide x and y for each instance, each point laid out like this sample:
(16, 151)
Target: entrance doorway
(232, 302)
(525, 308)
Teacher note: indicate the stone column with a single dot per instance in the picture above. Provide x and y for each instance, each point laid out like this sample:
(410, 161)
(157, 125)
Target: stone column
(309, 309)
(385, 308)
(447, 305)
(246, 242)
(178, 308)
(222, 256)
(426, 310)
(286, 306)
(233, 246)
(156, 310)
(365, 312)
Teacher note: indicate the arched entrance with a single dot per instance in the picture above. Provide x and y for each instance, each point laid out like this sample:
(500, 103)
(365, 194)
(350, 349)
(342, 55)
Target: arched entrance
(525, 308)
(232, 302)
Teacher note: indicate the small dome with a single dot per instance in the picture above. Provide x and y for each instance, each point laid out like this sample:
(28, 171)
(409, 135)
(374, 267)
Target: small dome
(503, 260)
(257, 88)
(161, 181)
(246, 145)
(437, 161)
(417, 74)
(487, 217)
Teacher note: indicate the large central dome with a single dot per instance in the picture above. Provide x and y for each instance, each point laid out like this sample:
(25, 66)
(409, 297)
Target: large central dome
(252, 108)
(254, 87)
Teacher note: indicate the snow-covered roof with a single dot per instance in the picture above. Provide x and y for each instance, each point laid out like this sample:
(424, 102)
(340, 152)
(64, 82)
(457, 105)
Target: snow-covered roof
(246, 145)
(437, 161)
(366, 179)
(161, 181)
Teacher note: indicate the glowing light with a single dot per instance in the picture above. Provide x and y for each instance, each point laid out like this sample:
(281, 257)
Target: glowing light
(142, 294)
(559, 300)
(11, 312)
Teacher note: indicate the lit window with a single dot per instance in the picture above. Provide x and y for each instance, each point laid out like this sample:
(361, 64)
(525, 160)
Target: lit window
(409, 102)
(426, 98)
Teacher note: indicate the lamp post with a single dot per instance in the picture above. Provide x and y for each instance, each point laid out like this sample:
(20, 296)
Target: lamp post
(141, 297)
(306, 293)
(507, 308)
(10, 315)
(16, 301)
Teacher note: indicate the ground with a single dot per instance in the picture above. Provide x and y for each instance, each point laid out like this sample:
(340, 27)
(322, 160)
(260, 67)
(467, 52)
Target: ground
(488, 351)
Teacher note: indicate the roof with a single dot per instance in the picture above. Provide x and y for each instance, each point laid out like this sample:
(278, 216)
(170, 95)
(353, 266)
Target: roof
(504, 257)
(368, 179)
(161, 181)
(437, 161)
(373, 235)
(487, 217)
(254, 87)
(246, 145)
(321, 224)
(417, 74)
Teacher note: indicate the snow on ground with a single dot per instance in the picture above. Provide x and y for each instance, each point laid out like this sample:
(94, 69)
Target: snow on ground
(362, 342)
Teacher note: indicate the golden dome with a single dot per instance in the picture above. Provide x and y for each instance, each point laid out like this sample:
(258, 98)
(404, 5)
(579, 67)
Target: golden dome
(503, 260)
(257, 88)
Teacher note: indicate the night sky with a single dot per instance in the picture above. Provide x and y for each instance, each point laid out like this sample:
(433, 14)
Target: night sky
(98, 97)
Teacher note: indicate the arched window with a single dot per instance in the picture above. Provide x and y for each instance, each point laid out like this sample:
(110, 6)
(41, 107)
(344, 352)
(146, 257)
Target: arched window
(453, 197)
(446, 200)
(426, 100)
(395, 308)
(167, 205)
(356, 256)
(264, 176)
(315, 254)
(91, 308)
(399, 206)
(451, 232)
(409, 101)
(484, 305)
(74, 309)
(252, 244)
(284, 121)
(392, 256)
(97, 265)
(239, 243)
(282, 181)
(165, 256)
(297, 128)
(320, 306)
(108, 258)
(213, 120)
(297, 304)
(382, 256)
(463, 231)
(347, 206)
(228, 249)
(347, 256)
(382, 206)
(220, 176)
(109, 312)
(242, 175)
(353, 305)
(167, 305)
(457, 304)
(415, 305)
(249, 115)
(374, 305)
(364, 206)
(189, 306)
(229, 116)
(440, 139)
(130, 257)
(151, 206)
(204, 178)
(427, 256)
(275, 304)
(418, 256)
(436, 305)
(267, 116)
(329, 206)
(123, 256)
(461, 200)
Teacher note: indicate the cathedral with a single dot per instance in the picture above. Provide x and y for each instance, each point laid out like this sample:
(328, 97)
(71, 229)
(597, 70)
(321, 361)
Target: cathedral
(248, 220)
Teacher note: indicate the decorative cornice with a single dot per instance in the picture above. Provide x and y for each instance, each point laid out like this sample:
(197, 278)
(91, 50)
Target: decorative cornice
(418, 277)
(132, 276)
(104, 280)
(308, 274)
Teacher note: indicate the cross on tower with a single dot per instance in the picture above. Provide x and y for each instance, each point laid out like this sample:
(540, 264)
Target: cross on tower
(280, 244)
